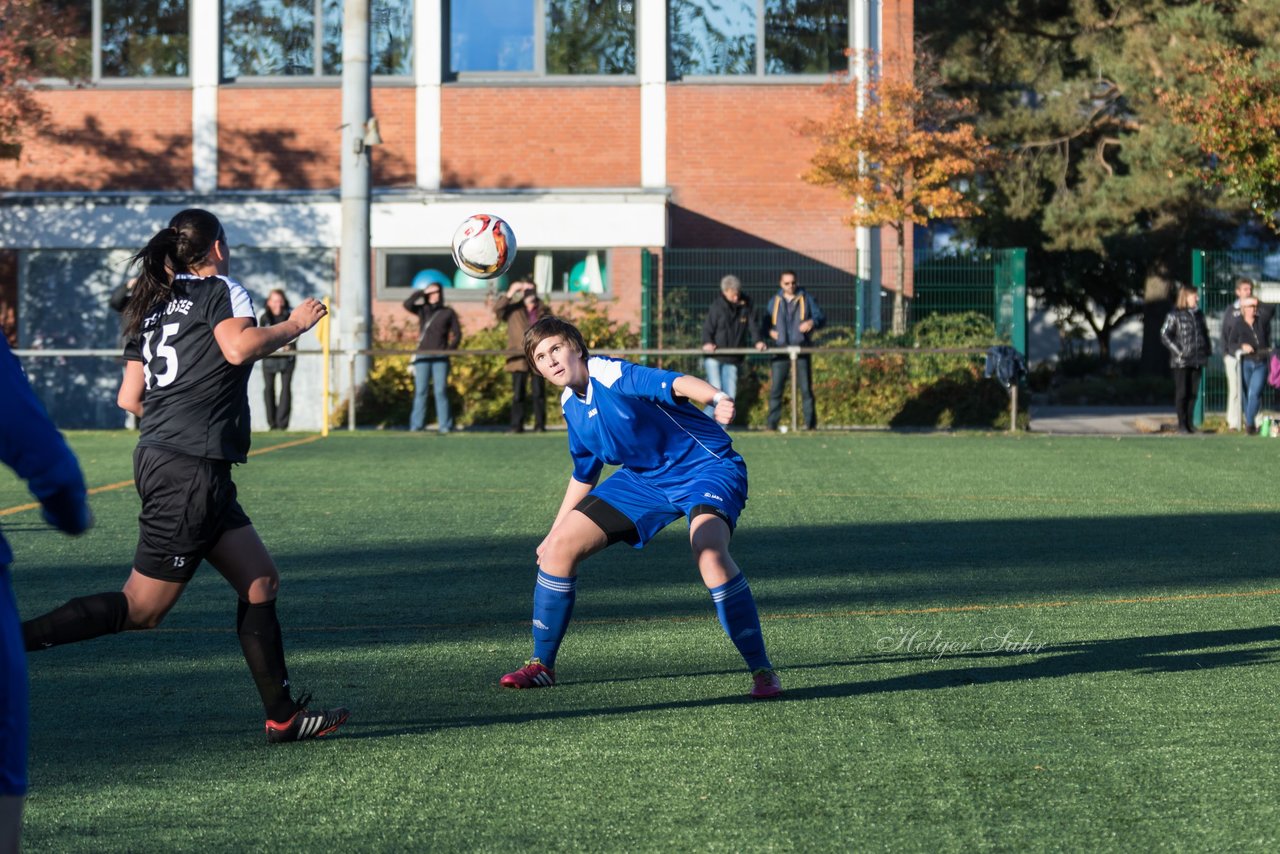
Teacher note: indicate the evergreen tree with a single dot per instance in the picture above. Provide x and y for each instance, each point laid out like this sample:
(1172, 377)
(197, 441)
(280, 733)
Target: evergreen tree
(1098, 183)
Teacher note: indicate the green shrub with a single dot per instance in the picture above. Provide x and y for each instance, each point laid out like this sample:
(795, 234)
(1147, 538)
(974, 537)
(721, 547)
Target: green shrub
(479, 388)
(892, 390)
(897, 390)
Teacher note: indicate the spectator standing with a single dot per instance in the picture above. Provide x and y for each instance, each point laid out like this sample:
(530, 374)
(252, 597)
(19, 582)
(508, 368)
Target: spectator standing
(520, 308)
(730, 323)
(1230, 362)
(791, 317)
(1186, 337)
(438, 329)
(278, 366)
(1249, 339)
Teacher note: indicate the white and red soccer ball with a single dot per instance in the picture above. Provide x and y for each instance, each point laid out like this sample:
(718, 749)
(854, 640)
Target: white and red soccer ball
(484, 246)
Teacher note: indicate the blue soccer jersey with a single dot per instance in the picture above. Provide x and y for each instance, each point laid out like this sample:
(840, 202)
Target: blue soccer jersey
(630, 418)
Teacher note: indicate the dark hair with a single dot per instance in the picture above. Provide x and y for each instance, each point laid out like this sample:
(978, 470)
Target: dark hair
(177, 249)
(283, 296)
(549, 327)
(791, 273)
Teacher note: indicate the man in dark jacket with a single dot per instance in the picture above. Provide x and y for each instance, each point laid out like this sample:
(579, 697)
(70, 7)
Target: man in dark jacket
(791, 318)
(730, 323)
(438, 329)
(1230, 361)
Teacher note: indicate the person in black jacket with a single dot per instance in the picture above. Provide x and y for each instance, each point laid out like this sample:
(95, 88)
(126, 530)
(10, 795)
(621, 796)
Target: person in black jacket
(731, 322)
(438, 329)
(1248, 338)
(1230, 362)
(1186, 336)
(280, 364)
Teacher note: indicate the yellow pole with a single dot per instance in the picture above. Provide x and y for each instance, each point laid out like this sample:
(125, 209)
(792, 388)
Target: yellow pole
(324, 370)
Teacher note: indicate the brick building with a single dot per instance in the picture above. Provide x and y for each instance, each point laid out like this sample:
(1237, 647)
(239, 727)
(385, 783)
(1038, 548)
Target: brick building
(599, 130)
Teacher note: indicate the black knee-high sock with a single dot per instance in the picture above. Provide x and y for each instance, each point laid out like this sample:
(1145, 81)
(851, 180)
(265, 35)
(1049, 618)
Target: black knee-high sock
(79, 619)
(263, 647)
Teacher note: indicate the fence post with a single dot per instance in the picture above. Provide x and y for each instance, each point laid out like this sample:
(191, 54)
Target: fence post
(325, 355)
(1013, 408)
(794, 352)
(1019, 293)
(351, 390)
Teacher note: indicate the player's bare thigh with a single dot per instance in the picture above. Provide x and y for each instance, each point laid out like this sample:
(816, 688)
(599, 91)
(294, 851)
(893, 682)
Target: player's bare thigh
(709, 539)
(569, 543)
(150, 599)
(243, 560)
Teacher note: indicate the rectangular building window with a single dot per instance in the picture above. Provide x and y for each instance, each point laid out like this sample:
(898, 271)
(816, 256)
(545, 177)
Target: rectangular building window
(281, 38)
(712, 38)
(139, 39)
(757, 37)
(805, 36)
(542, 37)
(558, 273)
(145, 39)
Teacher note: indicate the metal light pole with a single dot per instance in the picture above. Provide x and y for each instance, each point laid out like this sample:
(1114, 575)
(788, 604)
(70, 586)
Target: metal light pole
(359, 130)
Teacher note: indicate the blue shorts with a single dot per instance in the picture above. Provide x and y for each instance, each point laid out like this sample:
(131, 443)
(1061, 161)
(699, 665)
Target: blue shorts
(13, 694)
(652, 505)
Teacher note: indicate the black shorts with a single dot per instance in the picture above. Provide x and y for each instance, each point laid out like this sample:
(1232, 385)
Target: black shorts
(188, 503)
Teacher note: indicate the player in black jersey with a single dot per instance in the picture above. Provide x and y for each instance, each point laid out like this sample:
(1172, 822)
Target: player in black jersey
(192, 341)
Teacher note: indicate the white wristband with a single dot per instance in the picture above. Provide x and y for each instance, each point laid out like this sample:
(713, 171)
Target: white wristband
(719, 396)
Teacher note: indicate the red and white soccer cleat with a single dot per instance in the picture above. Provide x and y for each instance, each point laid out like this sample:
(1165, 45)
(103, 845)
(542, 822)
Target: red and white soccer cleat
(765, 684)
(306, 724)
(532, 675)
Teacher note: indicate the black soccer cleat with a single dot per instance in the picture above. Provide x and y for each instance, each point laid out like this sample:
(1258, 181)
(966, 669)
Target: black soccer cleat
(305, 724)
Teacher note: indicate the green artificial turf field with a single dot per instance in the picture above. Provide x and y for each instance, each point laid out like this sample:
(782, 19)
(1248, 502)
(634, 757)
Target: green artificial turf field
(987, 642)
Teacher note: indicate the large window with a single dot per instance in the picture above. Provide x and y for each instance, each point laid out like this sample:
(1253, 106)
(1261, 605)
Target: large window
(139, 39)
(536, 37)
(270, 38)
(558, 273)
(757, 37)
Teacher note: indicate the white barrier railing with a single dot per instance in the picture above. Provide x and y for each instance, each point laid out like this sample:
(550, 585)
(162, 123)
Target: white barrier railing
(327, 392)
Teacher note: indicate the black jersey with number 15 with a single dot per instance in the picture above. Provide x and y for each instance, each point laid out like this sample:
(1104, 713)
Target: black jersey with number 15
(195, 402)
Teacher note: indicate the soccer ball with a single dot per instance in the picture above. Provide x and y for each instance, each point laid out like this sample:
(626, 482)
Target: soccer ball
(484, 246)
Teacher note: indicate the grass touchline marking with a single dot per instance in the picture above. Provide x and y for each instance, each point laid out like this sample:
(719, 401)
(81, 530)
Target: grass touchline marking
(9, 511)
(817, 615)
(1009, 499)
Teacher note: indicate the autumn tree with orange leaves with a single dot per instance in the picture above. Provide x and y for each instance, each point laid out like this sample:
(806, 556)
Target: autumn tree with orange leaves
(33, 37)
(1235, 120)
(903, 155)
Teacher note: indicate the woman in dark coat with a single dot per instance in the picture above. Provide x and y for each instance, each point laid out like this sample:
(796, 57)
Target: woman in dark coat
(1186, 336)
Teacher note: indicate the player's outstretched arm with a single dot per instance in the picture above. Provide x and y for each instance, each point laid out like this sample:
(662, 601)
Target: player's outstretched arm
(704, 393)
(242, 342)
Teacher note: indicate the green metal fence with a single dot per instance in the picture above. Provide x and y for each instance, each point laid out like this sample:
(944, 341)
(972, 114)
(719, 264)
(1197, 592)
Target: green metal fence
(991, 282)
(1214, 275)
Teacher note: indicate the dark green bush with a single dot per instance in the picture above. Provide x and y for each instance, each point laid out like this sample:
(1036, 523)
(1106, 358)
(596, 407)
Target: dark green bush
(920, 390)
(479, 388)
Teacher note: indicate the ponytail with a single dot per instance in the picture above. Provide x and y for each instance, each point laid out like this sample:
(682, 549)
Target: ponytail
(177, 249)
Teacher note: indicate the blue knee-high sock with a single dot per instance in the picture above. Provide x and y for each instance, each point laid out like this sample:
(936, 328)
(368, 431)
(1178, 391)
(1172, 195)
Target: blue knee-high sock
(552, 607)
(737, 611)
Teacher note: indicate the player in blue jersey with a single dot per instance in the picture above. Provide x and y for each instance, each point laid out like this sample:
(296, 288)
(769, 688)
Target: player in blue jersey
(673, 461)
(34, 448)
